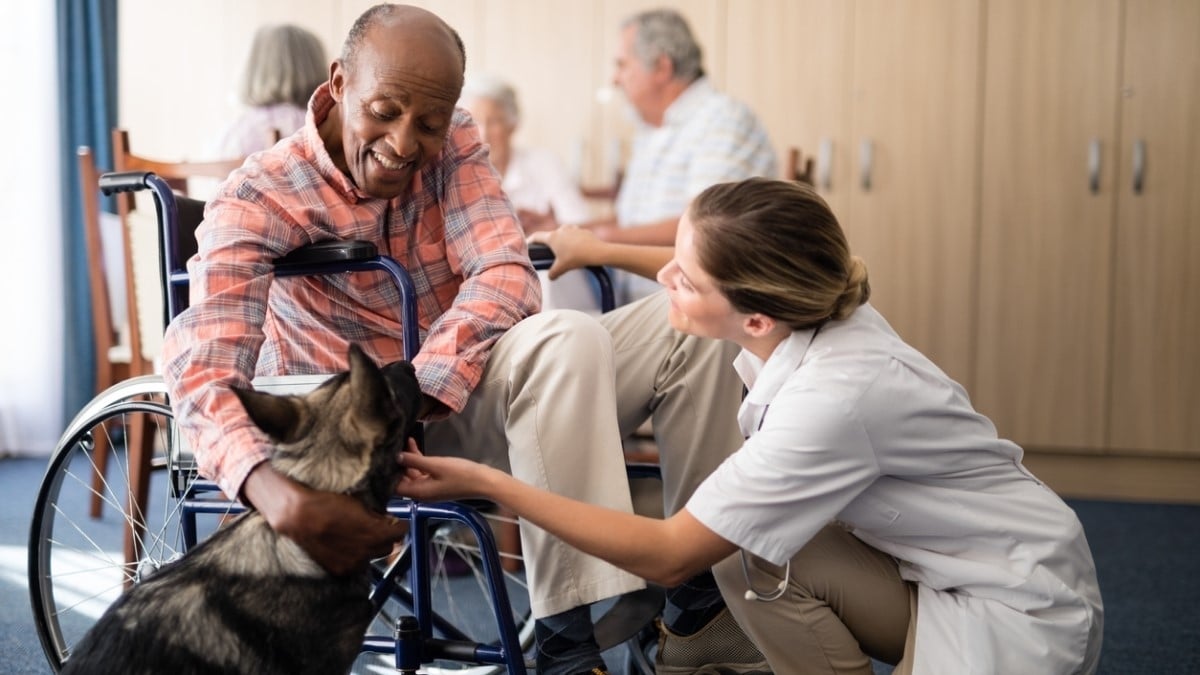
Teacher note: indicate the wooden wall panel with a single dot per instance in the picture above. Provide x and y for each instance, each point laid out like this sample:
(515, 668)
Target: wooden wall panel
(790, 61)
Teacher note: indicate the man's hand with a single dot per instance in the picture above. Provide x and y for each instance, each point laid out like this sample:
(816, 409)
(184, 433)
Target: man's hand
(336, 530)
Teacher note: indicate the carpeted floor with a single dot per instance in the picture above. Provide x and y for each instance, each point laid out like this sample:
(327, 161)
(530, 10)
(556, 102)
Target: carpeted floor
(1147, 556)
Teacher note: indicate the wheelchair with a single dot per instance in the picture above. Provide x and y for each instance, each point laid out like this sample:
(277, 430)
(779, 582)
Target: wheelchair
(428, 595)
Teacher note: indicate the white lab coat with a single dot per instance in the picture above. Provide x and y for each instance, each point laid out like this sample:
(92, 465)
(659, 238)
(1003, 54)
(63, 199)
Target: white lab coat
(852, 424)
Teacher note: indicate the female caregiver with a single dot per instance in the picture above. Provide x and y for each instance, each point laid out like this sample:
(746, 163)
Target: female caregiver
(871, 512)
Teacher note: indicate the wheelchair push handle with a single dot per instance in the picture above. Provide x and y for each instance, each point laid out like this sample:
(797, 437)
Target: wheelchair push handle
(124, 181)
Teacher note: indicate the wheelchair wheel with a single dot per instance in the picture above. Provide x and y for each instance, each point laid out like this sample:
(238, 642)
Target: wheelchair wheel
(461, 598)
(79, 564)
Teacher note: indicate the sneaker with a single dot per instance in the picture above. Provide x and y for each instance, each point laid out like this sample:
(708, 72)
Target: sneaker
(720, 648)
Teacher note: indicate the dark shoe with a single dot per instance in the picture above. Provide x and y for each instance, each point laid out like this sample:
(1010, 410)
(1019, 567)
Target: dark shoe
(720, 648)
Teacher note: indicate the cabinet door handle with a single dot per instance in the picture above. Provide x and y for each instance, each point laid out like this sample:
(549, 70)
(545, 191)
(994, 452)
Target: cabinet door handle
(866, 156)
(1094, 166)
(1139, 165)
(825, 164)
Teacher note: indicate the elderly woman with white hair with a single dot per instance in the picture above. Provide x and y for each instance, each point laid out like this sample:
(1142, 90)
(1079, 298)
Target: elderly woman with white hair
(540, 188)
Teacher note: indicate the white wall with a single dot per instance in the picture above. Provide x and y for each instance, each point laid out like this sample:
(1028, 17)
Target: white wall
(31, 389)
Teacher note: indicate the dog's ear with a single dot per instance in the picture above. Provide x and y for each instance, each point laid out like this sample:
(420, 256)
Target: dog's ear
(278, 416)
(367, 385)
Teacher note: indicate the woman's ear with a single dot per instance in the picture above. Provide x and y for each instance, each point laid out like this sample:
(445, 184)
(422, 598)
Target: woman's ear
(757, 325)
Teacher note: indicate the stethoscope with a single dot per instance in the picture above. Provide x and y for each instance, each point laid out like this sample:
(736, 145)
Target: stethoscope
(777, 592)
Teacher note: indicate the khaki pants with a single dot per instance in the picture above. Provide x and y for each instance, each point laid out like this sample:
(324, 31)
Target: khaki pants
(559, 392)
(844, 604)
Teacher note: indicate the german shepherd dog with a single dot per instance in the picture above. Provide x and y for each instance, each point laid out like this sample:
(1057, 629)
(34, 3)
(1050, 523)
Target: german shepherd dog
(248, 600)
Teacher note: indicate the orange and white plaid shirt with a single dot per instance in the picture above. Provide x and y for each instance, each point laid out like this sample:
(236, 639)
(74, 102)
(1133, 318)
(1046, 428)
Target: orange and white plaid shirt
(454, 231)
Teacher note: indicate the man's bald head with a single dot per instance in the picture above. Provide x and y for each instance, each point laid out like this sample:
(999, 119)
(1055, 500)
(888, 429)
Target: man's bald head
(413, 18)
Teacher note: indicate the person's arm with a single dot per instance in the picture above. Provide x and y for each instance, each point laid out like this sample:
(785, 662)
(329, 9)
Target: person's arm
(474, 254)
(578, 247)
(659, 233)
(667, 552)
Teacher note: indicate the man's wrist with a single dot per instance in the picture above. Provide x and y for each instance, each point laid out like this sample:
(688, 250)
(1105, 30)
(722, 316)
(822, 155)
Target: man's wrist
(268, 491)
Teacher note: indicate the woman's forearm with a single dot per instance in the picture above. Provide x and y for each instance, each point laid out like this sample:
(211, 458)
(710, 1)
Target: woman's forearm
(666, 552)
(640, 259)
(653, 549)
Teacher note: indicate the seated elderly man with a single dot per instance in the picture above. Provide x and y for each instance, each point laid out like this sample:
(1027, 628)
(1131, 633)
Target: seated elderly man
(690, 136)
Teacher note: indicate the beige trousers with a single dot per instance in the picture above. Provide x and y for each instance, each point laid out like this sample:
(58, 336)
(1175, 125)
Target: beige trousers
(844, 604)
(560, 391)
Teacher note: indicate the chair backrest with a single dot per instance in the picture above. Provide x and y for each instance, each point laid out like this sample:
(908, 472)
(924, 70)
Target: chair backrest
(178, 247)
(106, 323)
(603, 192)
(140, 238)
(177, 174)
(797, 169)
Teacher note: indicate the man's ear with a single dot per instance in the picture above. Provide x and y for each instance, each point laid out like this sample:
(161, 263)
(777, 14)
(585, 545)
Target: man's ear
(758, 325)
(337, 80)
(664, 71)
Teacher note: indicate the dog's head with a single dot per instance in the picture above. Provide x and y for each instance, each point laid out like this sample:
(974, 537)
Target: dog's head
(344, 435)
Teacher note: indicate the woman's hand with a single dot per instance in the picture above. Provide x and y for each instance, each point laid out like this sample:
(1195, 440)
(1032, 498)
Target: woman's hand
(437, 479)
(574, 248)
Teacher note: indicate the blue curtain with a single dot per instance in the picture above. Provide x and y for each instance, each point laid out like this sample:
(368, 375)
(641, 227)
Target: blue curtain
(87, 49)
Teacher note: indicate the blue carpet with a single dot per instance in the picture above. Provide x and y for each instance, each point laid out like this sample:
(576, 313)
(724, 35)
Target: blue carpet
(1147, 557)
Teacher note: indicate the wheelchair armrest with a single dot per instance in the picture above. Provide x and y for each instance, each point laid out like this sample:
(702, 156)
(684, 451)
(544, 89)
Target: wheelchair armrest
(328, 251)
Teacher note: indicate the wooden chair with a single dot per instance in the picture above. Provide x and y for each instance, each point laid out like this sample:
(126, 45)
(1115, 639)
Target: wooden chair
(177, 174)
(799, 170)
(113, 356)
(606, 193)
(139, 441)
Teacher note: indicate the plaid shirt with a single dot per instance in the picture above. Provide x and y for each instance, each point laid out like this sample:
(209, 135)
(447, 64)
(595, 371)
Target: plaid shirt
(454, 231)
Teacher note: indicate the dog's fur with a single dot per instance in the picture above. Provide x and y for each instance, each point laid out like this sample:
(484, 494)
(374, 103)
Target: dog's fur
(248, 600)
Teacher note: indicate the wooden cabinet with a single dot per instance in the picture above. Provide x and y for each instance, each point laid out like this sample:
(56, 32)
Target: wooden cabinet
(1089, 295)
(1050, 97)
(1155, 379)
(891, 90)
